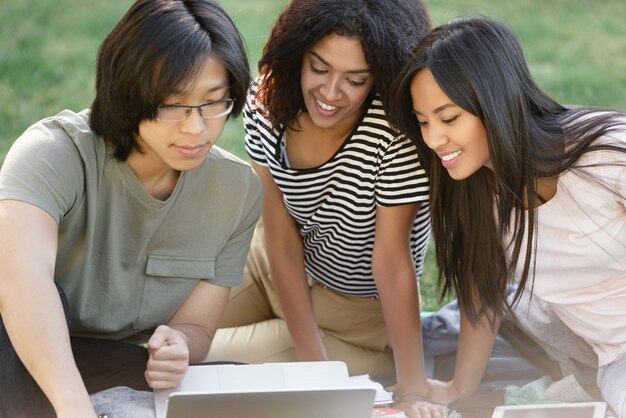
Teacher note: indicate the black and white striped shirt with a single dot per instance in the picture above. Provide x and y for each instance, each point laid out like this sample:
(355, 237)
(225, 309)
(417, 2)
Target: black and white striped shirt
(334, 204)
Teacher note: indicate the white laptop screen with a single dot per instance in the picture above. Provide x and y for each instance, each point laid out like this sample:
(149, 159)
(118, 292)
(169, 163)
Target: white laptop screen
(323, 403)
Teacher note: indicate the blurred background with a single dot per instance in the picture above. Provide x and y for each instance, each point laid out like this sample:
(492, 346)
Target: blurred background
(576, 50)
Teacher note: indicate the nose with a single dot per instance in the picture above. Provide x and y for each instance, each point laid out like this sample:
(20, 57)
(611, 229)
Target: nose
(434, 137)
(195, 124)
(331, 89)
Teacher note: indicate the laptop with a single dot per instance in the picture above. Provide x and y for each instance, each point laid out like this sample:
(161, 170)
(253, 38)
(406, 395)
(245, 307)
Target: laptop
(272, 390)
(290, 403)
(555, 410)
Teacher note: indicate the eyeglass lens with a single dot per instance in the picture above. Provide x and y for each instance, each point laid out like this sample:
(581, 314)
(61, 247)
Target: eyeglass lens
(208, 111)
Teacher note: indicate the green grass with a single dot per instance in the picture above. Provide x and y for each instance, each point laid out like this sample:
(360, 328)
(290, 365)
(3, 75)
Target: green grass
(576, 50)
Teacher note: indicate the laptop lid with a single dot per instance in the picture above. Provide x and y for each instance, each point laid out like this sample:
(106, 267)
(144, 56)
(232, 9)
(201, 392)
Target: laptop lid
(344, 402)
(556, 410)
(216, 381)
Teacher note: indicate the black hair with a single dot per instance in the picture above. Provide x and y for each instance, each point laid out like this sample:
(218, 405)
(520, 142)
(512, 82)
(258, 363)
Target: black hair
(151, 54)
(388, 31)
(480, 66)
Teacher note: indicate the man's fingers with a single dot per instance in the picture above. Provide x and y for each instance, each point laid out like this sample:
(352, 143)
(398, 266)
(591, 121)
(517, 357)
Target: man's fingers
(162, 380)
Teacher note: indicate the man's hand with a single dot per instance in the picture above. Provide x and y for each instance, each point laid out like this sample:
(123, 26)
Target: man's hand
(169, 358)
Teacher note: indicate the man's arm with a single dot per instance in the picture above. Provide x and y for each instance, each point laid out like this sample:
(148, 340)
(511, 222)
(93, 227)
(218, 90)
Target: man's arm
(29, 301)
(186, 337)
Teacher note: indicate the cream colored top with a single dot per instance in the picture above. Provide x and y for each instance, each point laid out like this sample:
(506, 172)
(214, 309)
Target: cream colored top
(581, 252)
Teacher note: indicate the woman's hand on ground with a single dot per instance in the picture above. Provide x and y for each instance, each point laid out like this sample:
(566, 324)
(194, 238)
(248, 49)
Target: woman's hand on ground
(442, 393)
(415, 406)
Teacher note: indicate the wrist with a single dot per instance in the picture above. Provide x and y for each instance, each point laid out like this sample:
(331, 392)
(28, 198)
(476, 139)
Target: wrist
(314, 351)
(70, 393)
(184, 336)
(408, 397)
(74, 406)
(182, 330)
(409, 394)
(416, 389)
(461, 391)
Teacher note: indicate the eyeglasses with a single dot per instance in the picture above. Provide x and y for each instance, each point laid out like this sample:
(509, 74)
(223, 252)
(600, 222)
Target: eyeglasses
(209, 110)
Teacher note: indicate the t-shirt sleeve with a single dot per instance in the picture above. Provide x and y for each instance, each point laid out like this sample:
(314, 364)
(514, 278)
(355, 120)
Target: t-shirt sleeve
(43, 168)
(232, 259)
(401, 178)
(255, 127)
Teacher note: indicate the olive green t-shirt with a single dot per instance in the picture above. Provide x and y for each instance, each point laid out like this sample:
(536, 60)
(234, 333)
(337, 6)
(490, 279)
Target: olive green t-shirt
(126, 260)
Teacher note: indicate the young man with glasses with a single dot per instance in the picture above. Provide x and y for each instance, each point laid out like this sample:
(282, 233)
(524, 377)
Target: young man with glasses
(125, 222)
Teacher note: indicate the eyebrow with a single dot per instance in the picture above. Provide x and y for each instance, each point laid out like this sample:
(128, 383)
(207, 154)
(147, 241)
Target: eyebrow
(437, 110)
(218, 87)
(316, 55)
(209, 90)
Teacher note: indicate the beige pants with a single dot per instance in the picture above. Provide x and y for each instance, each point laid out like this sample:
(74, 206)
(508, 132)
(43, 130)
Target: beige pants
(253, 331)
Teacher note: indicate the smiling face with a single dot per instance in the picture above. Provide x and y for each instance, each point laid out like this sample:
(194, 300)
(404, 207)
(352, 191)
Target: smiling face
(335, 81)
(184, 145)
(457, 136)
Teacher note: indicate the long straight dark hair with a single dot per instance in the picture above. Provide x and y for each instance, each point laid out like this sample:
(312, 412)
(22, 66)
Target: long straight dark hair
(480, 66)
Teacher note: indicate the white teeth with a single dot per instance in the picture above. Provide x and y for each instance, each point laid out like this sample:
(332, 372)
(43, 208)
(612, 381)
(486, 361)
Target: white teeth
(325, 106)
(451, 156)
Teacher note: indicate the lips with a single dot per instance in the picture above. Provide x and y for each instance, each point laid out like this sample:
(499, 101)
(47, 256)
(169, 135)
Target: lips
(451, 156)
(325, 106)
(190, 151)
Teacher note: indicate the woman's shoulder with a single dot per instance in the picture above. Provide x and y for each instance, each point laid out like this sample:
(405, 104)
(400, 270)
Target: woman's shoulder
(582, 120)
(375, 120)
(255, 113)
(591, 131)
(254, 96)
(603, 160)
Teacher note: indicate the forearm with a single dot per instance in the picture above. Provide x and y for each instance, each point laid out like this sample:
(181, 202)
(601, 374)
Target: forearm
(400, 303)
(197, 319)
(294, 296)
(393, 269)
(31, 308)
(475, 345)
(197, 338)
(286, 258)
(46, 353)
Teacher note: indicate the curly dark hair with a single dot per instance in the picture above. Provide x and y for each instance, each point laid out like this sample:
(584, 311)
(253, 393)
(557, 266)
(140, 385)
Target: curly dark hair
(157, 47)
(389, 30)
